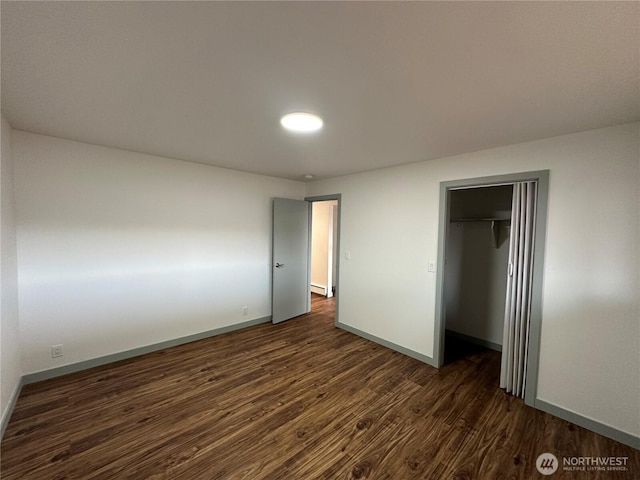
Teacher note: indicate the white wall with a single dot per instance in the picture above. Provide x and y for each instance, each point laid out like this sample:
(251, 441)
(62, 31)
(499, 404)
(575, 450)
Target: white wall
(10, 366)
(591, 313)
(119, 250)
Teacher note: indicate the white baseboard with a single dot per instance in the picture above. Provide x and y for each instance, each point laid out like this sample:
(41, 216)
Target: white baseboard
(319, 289)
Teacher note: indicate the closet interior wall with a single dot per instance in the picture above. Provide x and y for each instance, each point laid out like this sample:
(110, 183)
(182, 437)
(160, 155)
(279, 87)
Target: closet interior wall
(477, 257)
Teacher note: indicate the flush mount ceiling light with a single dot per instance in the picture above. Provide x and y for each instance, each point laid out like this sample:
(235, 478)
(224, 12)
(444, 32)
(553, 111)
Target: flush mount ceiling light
(302, 122)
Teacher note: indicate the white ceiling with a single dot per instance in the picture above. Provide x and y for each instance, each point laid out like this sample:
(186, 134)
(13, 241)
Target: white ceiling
(395, 82)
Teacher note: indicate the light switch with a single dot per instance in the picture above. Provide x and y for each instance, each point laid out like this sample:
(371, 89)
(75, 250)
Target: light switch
(431, 266)
(347, 254)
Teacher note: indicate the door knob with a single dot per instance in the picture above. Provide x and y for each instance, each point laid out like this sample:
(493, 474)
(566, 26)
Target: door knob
(278, 265)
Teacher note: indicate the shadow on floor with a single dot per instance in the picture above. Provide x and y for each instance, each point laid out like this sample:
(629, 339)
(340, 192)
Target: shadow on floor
(457, 349)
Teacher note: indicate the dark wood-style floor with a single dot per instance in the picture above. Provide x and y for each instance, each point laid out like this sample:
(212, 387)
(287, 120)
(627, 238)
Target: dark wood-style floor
(298, 400)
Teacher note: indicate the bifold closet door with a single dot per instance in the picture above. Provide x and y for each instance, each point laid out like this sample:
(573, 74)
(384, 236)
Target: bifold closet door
(519, 289)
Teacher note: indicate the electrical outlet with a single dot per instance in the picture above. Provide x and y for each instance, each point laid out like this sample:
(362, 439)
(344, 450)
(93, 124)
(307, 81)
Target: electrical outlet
(56, 351)
(245, 311)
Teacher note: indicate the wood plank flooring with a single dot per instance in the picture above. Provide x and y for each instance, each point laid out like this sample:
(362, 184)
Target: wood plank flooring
(298, 400)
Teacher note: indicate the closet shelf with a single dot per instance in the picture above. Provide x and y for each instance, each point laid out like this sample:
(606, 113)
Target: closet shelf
(495, 226)
(495, 219)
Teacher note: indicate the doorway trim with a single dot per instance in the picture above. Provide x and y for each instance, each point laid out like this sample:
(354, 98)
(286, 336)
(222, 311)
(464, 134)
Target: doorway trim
(533, 355)
(323, 198)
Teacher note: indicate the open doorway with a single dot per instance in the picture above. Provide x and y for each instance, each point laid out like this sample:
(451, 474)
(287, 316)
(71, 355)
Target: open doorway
(323, 257)
(324, 226)
(323, 254)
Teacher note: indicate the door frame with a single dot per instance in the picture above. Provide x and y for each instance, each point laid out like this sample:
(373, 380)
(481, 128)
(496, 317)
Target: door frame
(323, 198)
(535, 321)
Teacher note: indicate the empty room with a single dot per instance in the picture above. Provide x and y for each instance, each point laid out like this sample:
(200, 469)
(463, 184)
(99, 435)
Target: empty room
(320, 240)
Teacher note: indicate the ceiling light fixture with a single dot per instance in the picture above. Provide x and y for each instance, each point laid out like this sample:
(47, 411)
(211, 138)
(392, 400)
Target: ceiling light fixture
(302, 122)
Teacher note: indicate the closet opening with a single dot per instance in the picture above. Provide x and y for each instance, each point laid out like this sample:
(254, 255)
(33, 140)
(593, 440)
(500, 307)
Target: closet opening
(476, 264)
(489, 284)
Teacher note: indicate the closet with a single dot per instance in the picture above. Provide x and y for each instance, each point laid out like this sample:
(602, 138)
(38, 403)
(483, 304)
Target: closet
(476, 264)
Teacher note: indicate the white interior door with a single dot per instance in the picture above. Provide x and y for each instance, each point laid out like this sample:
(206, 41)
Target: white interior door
(290, 259)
